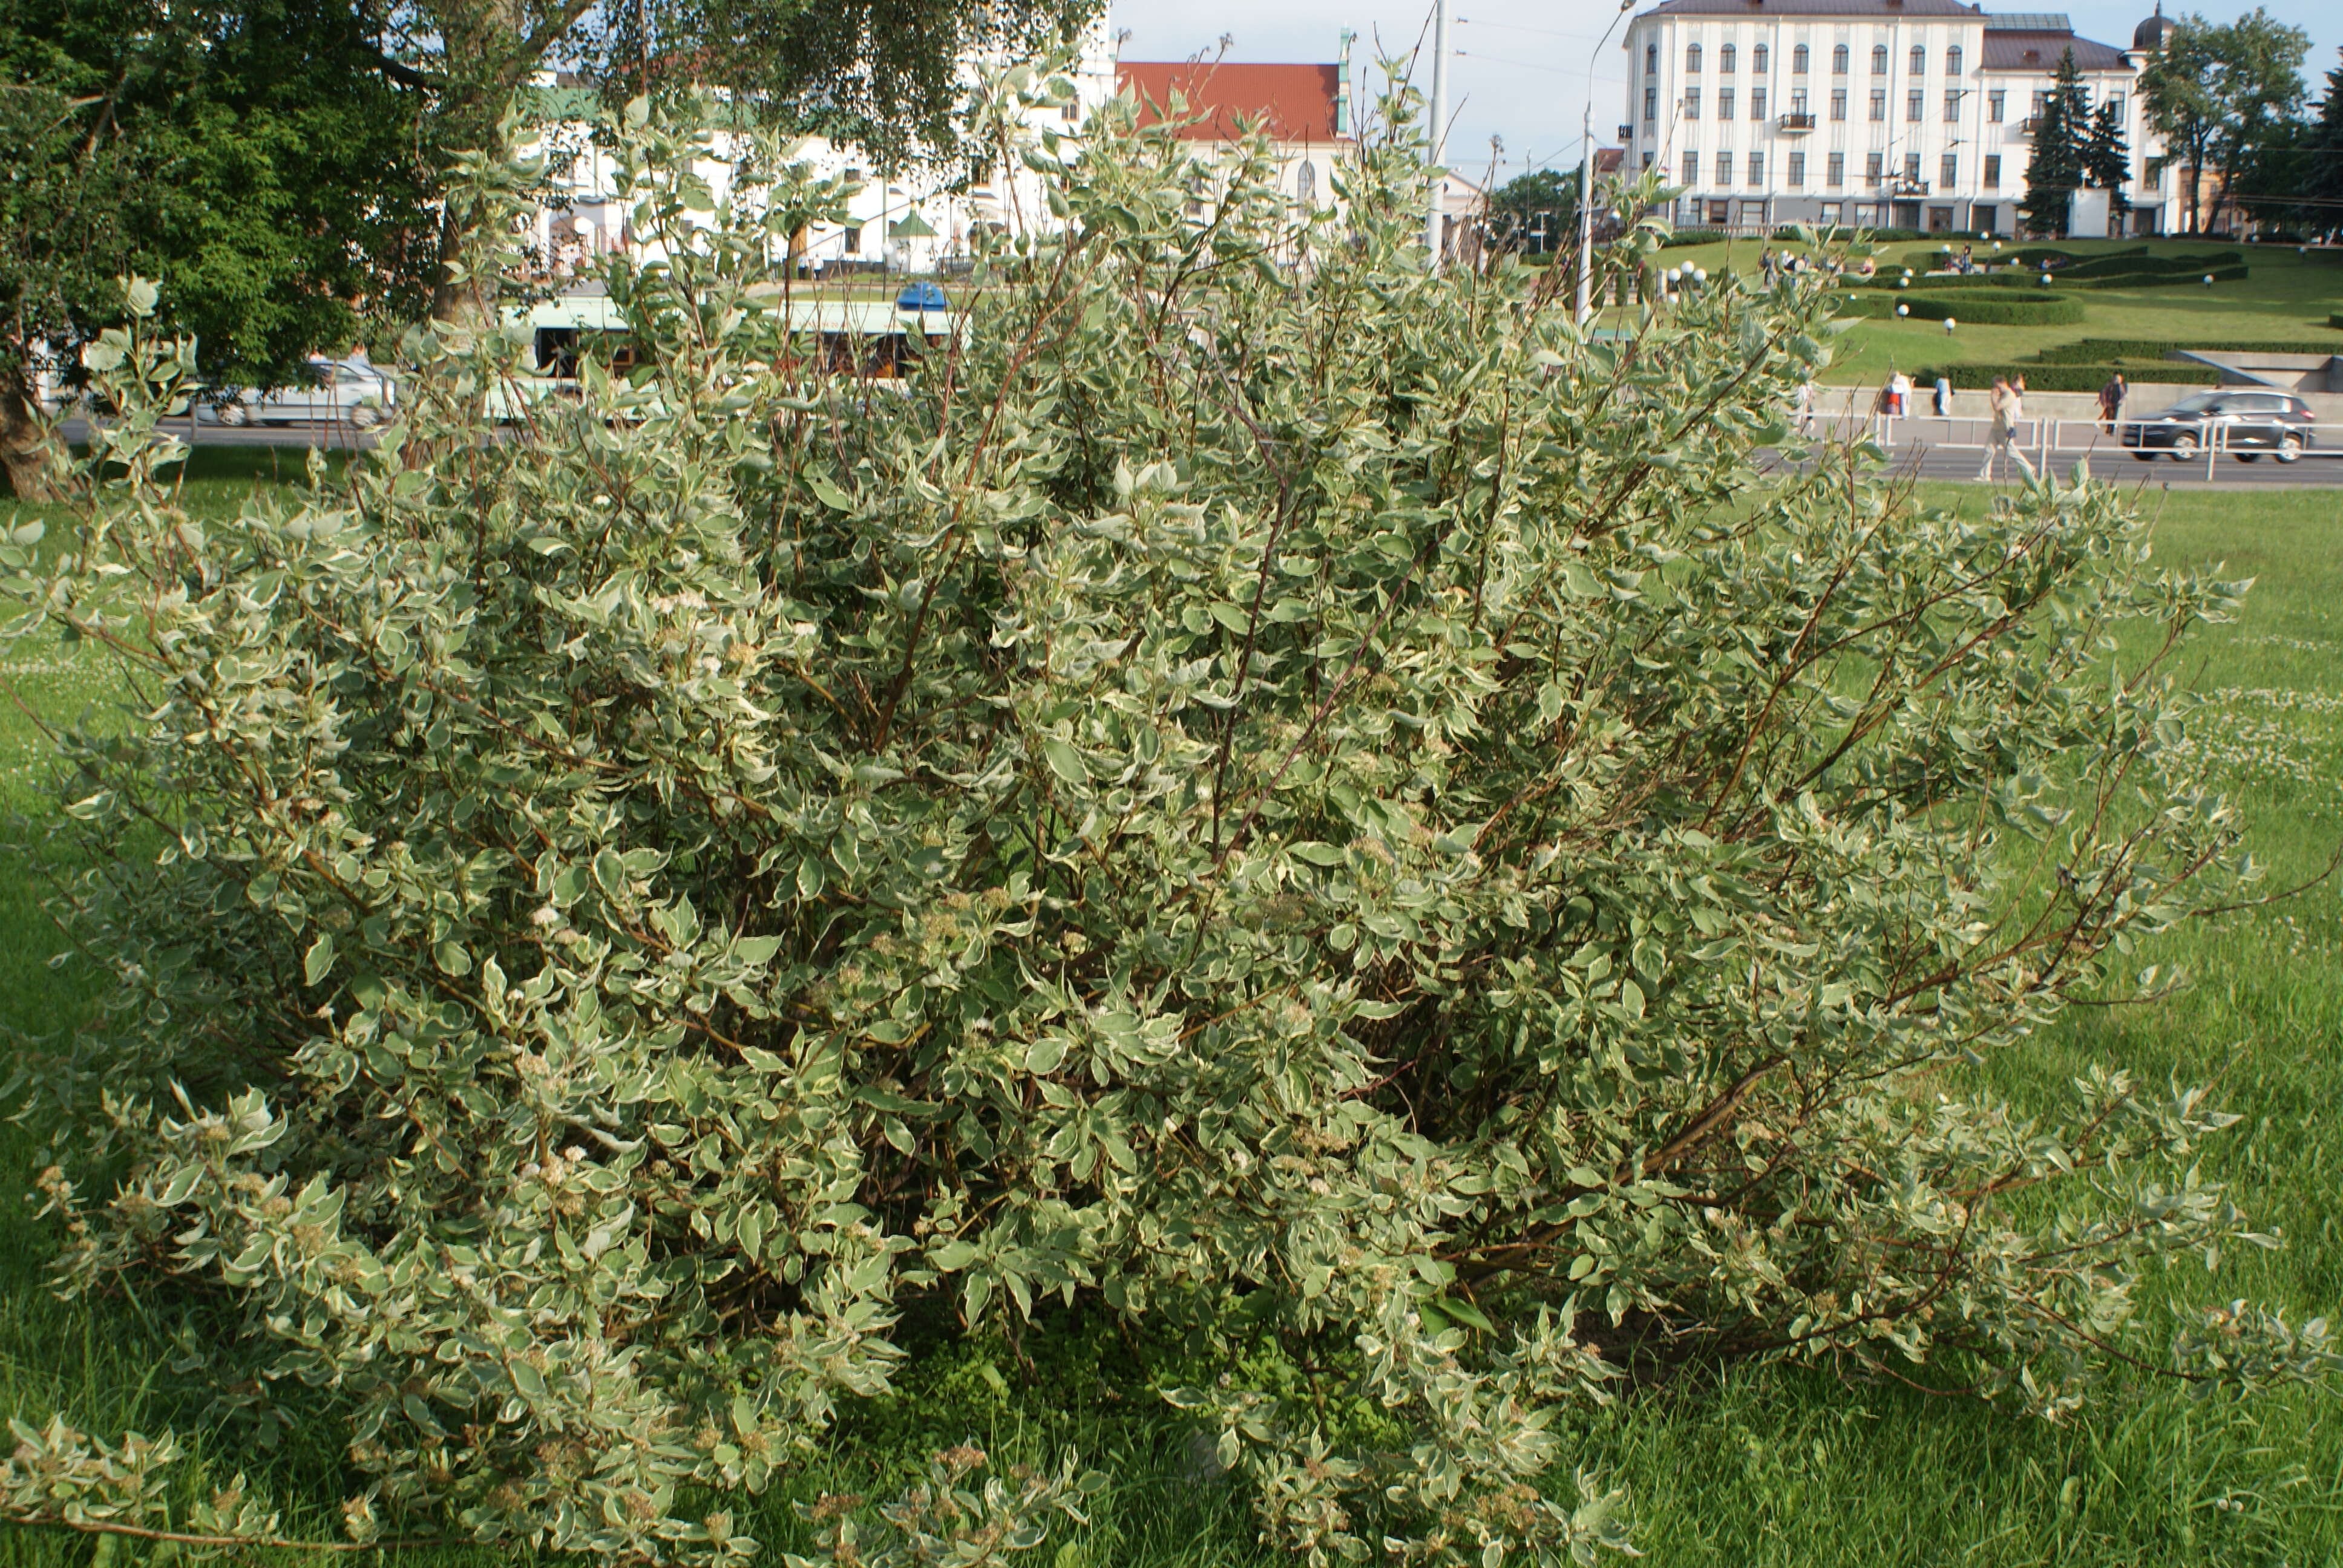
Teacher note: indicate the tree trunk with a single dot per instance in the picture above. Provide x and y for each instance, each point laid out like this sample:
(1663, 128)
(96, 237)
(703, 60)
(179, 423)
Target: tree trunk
(24, 442)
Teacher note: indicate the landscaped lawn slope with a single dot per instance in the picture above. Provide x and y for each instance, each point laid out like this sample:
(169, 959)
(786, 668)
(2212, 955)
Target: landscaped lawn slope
(2287, 297)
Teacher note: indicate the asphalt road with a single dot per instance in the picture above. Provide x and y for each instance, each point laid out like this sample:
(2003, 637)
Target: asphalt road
(1915, 454)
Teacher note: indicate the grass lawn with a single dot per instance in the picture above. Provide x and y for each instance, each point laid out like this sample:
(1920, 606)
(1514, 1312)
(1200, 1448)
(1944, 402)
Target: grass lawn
(1797, 1469)
(2287, 297)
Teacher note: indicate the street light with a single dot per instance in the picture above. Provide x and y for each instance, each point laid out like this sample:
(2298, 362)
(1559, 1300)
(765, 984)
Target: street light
(1586, 174)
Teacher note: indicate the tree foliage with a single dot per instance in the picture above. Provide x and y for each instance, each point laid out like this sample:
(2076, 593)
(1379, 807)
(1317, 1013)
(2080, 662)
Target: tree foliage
(2106, 159)
(1538, 211)
(244, 153)
(2219, 92)
(1317, 813)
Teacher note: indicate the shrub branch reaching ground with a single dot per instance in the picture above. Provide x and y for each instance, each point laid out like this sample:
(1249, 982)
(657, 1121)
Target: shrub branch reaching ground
(1290, 799)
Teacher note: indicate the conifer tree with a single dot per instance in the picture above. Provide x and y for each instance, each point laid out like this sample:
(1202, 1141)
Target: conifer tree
(2106, 159)
(2060, 134)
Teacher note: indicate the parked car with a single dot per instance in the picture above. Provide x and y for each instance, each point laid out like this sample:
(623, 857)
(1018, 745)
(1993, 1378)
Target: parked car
(2247, 423)
(327, 392)
(922, 296)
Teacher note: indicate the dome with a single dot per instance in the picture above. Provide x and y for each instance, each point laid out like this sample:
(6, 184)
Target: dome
(2149, 35)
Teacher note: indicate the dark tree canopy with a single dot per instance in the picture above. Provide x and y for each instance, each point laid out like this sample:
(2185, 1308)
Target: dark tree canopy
(2061, 136)
(251, 155)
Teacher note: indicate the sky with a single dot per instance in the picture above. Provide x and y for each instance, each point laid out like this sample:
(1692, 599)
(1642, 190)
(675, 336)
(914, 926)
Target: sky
(1521, 66)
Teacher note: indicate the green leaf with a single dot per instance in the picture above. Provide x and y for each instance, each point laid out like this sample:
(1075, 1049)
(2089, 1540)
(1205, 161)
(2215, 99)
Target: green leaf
(1065, 761)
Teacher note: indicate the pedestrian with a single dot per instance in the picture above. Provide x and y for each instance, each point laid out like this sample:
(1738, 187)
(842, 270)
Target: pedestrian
(1805, 407)
(2007, 403)
(1767, 266)
(1967, 266)
(1899, 394)
(1943, 396)
(2111, 402)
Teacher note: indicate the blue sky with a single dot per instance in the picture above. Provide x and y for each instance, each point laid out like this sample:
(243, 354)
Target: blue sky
(1523, 65)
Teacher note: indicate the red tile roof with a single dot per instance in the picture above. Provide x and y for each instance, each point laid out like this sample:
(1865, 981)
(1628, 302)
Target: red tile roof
(1296, 103)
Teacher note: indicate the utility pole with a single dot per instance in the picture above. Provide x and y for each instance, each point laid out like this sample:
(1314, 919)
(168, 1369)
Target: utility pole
(1586, 172)
(1437, 138)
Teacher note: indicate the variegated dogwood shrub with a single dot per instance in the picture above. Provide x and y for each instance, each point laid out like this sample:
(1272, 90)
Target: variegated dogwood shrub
(1290, 797)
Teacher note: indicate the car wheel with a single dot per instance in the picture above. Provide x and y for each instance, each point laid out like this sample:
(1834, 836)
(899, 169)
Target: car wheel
(235, 414)
(2247, 456)
(366, 416)
(2184, 449)
(2143, 456)
(2289, 449)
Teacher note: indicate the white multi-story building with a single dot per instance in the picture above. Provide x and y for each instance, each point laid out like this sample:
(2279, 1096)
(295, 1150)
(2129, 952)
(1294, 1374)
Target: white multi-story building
(1909, 114)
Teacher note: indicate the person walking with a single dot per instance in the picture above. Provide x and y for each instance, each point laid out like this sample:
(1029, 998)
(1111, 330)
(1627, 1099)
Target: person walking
(1765, 266)
(1899, 394)
(1805, 408)
(1943, 396)
(2111, 402)
(2008, 404)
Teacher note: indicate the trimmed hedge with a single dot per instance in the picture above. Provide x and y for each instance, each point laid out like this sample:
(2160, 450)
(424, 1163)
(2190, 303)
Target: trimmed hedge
(2021, 278)
(2106, 350)
(2060, 378)
(2036, 309)
(2335, 318)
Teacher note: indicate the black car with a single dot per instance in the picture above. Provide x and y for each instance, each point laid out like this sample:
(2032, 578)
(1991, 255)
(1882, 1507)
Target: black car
(2249, 423)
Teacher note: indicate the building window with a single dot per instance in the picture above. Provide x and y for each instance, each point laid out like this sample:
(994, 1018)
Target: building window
(1070, 112)
(1726, 58)
(1719, 213)
(1994, 105)
(1952, 105)
(2041, 101)
(1692, 168)
(1651, 104)
(1305, 182)
(1948, 170)
(1756, 103)
(1837, 173)
(1725, 103)
(1879, 59)
(2155, 180)
(2115, 102)
(1691, 102)
(1756, 168)
(1993, 171)
(1872, 164)
(1724, 168)
(1832, 210)
(1651, 59)
(1953, 61)
(1797, 169)
(1692, 56)
(1919, 61)
(1879, 103)
(1911, 168)
(1798, 101)
(1838, 103)
(1647, 158)
(1757, 58)
(1798, 57)
(854, 239)
(1839, 61)
(1912, 105)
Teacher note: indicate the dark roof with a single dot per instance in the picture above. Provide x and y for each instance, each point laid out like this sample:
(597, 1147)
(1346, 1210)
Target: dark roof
(2028, 22)
(1812, 8)
(2154, 32)
(1295, 103)
(2040, 52)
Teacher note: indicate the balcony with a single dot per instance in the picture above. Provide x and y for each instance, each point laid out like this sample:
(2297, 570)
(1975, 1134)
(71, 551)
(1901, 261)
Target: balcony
(2029, 126)
(1904, 188)
(1797, 124)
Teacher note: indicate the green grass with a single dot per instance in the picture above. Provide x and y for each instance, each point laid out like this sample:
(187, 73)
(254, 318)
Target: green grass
(1794, 1468)
(2287, 297)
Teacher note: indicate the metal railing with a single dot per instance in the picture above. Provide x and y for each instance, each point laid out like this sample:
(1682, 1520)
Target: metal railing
(1797, 121)
(2042, 441)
